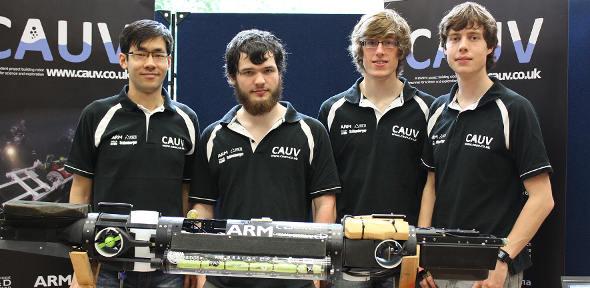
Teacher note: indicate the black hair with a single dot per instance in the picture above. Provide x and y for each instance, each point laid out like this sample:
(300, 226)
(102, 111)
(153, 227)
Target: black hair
(256, 44)
(140, 31)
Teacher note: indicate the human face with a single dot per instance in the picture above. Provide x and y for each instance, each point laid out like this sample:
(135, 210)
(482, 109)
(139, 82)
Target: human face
(467, 51)
(146, 75)
(257, 87)
(380, 61)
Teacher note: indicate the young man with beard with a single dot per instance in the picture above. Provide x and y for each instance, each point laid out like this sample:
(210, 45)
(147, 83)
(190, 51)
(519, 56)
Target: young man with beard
(263, 158)
(485, 151)
(137, 147)
(377, 127)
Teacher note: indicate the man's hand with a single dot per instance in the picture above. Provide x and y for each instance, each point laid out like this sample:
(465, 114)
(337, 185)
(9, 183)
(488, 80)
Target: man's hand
(496, 277)
(193, 281)
(74, 283)
(425, 279)
(322, 284)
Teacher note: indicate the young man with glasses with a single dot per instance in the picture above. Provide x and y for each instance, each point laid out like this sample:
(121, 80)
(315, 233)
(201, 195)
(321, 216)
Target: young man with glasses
(137, 147)
(485, 150)
(263, 158)
(378, 126)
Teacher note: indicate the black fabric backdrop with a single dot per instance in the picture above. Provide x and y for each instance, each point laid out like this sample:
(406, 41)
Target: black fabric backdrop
(578, 199)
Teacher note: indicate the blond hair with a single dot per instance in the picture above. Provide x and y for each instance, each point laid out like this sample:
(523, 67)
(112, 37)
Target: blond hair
(379, 25)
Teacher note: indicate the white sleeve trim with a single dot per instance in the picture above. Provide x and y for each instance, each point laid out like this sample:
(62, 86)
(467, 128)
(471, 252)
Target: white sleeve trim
(534, 170)
(210, 141)
(505, 122)
(191, 129)
(310, 141)
(423, 162)
(104, 122)
(332, 112)
(422, 105)
(80, 170)
(324, 190)
(205, 199)
(434, 118)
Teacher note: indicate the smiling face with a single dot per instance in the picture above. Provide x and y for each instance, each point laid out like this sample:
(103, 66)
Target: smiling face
(146, 75)
(380, 61)
(467, 51)
(257, 86)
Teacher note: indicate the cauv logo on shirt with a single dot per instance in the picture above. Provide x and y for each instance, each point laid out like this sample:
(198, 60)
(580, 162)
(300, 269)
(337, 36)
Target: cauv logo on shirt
(405, 132)
(173, 142)
(285, 152)
(479, 141)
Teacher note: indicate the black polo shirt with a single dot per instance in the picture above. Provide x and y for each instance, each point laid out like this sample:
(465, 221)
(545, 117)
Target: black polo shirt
(134, 156)
(481, 157)
(378, 156)
(275, 178)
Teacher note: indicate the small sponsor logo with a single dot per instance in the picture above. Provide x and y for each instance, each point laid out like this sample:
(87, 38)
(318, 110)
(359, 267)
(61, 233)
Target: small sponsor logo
(173, 142)
(406, 133)
(123, 140)
(357, 128)
(479, 141)
(285, 152)
(232, 153)
(250, 230)
(53, 280)
(438, 139)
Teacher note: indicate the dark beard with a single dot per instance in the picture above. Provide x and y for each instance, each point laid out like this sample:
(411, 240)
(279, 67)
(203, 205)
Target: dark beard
(257, 108)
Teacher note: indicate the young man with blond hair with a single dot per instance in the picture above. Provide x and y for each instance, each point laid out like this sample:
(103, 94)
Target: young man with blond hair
(484, 152)
(377, 127)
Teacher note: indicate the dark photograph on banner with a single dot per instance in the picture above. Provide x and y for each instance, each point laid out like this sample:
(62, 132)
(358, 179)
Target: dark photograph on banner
(52, 64)
(56, 56)
(531, 60)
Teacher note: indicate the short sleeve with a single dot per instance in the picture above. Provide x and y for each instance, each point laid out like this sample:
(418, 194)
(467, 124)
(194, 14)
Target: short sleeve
(203, 187)
(323, 115)
(82, 157)
(526, 141)
(324, 177)
(427, 158)
(190, 159)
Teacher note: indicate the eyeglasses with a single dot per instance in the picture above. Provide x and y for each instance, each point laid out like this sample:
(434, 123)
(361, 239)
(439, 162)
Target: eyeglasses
(373, 43)
(144, 55)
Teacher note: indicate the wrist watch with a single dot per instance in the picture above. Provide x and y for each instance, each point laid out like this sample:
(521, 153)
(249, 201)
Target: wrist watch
(504, 256)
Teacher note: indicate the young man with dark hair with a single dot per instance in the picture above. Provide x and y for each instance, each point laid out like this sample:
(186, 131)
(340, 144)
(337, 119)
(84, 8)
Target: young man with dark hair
(263, 158)
(137, 147)
(377, 127)
(484, 151)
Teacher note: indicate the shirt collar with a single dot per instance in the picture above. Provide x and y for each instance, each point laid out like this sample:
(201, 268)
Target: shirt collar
(127, 103)
(397, 102)
(291, 115)
(354, 94)
(495, 92)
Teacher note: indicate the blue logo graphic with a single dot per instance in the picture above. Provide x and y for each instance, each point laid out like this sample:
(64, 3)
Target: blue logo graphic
(33, 39)
(523, 55)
